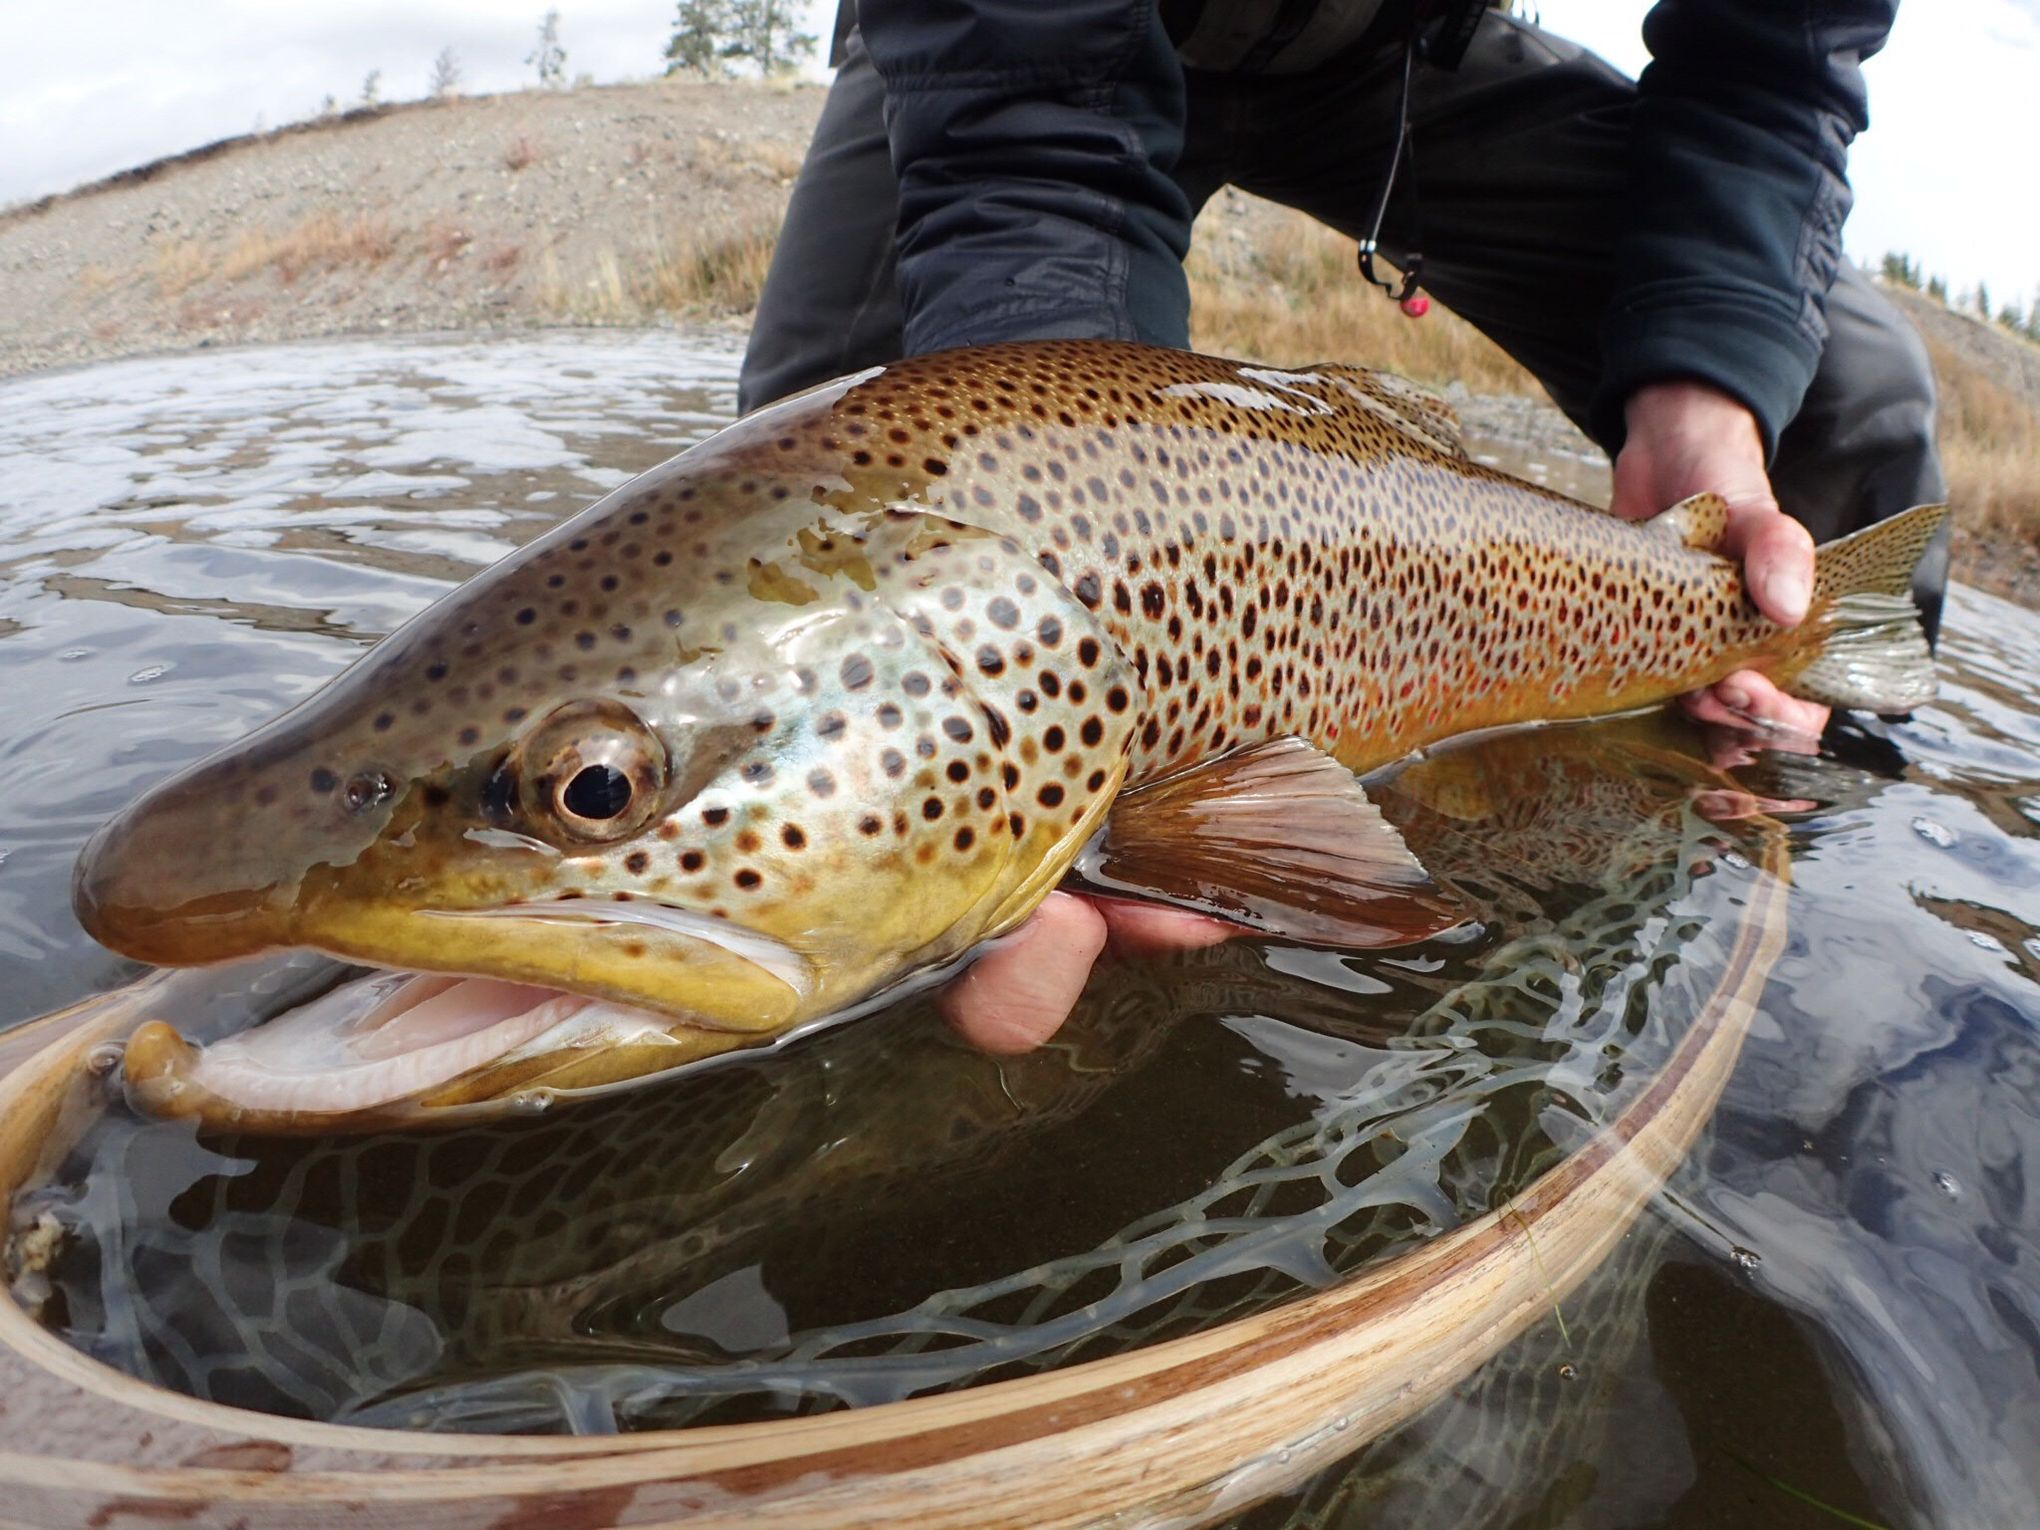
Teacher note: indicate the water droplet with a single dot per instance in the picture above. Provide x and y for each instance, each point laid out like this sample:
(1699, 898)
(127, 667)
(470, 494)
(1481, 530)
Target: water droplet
(1282, 1458)
(151, 672)
(1933, 833)
(71, 655)
(1948, 1184)
(1747, 1259)
(1341, 1424)
(1567, 1373)
(531, 1102)
(104, 1058)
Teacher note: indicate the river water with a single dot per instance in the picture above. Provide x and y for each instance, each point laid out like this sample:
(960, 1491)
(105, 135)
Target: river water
(1833, 1311)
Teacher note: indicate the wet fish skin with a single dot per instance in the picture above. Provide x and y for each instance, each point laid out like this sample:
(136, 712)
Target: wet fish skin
(842, 692)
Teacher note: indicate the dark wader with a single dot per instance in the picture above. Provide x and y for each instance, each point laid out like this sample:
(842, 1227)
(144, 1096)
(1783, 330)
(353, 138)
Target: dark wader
(1520, 180)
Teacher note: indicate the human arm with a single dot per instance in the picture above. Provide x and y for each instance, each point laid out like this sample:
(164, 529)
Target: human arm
(1738, 188)
(1033, 144)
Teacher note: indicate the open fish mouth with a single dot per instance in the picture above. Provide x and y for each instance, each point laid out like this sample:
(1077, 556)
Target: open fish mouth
(391, 1040)
(377, 1042)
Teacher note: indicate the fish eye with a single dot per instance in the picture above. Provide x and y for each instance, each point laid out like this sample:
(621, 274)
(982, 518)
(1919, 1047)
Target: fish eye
(590, 772)
(596, 792)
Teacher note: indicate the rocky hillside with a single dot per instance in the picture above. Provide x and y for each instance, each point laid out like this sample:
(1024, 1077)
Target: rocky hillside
(539, 207)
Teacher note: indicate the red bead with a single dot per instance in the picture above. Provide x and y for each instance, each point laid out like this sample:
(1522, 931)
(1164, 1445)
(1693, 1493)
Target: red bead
(1416, 306)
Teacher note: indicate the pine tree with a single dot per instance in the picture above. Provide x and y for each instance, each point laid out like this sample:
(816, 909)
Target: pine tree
(762, 31)
(371, 88)
(445, 75)
(549, 58)
(700, 35)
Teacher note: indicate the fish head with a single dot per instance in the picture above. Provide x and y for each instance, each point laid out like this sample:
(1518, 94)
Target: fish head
(688, 791)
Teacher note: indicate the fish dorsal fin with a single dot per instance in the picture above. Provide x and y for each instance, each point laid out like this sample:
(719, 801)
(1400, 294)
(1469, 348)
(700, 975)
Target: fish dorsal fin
(1280, 838)
(1700, 521)
(1419, 412)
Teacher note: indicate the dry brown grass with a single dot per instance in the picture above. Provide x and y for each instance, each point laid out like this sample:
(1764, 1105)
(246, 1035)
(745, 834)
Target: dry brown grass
(781, 161)
(323, 242)
(175, 268)
(442, 244)
(1292, 295)
(1990, 438)
(718, 272)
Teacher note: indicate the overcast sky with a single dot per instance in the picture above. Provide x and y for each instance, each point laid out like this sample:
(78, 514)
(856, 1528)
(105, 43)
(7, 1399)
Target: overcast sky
(1946, 171)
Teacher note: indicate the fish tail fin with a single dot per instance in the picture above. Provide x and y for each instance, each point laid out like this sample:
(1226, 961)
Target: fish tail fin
(1871, 653)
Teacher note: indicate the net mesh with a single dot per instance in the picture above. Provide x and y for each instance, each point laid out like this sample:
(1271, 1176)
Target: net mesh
(516, 1277)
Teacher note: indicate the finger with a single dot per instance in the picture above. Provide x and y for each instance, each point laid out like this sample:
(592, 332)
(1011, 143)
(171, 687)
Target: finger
(1020, 992)
(1150, 929)
(1777, 558)
(1747, 697)
(1629, 496)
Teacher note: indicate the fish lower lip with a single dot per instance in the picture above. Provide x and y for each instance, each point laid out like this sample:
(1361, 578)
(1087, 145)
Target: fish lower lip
(375, 1041)
(765, 952)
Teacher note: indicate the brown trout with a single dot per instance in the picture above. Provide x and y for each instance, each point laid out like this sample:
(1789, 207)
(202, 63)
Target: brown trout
(844, 691)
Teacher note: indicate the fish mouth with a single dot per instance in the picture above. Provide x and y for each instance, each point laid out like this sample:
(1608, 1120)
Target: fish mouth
(765, 952)
(395, 1047)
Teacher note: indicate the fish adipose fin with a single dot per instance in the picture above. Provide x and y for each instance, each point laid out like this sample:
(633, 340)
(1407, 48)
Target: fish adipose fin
(1873, 653)
(1700, 521)
(1280, 838)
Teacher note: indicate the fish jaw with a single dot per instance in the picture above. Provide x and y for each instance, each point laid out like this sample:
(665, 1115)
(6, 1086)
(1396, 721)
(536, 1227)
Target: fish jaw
(404, 1050)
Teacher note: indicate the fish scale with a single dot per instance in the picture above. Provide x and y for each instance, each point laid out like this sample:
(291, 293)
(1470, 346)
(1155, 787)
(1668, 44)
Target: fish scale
(844, 691)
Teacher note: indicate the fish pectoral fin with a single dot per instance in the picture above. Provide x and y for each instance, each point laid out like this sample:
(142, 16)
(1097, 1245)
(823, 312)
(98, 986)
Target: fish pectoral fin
(1280, 838)
(1700, 521)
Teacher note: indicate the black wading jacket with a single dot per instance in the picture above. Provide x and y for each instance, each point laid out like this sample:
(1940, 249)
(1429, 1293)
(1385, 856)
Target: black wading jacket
(1033, 141)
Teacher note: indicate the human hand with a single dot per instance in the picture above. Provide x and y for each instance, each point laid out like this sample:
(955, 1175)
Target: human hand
(1687, 438)
(1018, 994)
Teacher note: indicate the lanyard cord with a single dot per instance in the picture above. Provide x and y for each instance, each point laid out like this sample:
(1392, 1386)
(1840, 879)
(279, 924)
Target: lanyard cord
(1405, 152)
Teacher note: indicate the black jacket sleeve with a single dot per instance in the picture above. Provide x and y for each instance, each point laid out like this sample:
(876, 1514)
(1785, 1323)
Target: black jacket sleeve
(1737, 192)
(1034, 142)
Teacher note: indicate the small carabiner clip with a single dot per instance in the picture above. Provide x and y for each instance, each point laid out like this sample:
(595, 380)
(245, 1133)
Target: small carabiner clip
(1404, 153)
(1412, 274)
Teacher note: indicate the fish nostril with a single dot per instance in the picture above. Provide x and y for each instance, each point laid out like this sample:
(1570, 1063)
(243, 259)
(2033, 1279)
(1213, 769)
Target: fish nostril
(366, 789)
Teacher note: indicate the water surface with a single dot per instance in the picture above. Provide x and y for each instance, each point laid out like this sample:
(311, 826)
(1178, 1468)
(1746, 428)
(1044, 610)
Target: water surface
(1838, 1300)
